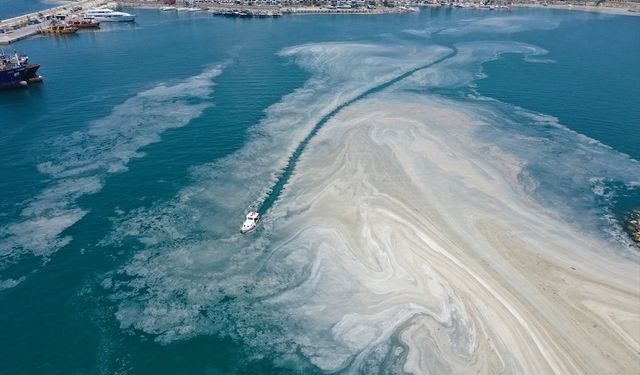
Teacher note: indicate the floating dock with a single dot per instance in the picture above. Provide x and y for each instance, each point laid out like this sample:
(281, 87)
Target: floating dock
(21, 27)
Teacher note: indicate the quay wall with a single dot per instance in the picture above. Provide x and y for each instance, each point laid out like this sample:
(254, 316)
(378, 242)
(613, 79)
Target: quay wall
(282, 9)
(11, 35)
(66, 8)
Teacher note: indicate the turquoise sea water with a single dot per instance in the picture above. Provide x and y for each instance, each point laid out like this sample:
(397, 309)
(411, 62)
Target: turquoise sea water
(100, 163)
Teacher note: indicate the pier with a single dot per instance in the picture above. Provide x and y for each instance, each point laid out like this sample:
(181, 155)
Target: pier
(18, 28)
(261, 7)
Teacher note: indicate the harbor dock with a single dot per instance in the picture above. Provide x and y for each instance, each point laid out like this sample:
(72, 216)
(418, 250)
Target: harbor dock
(18, 28)
(222, 6)
(10, 36)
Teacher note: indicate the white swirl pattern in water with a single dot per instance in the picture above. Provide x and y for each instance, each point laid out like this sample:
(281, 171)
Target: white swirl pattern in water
(408, 238)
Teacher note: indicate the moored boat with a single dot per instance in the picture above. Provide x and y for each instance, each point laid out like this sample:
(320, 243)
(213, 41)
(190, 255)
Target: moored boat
(246, 13)
(84, 24)
(108, 15)
(59, 29)
(16, 71)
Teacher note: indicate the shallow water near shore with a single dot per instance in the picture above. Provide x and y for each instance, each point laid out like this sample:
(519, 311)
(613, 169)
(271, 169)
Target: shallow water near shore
(446, 188)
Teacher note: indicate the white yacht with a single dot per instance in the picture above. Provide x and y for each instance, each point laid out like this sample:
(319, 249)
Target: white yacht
(108, 15)
(250, 222)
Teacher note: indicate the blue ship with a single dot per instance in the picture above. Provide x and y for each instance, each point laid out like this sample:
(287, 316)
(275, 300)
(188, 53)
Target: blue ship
(16, 71)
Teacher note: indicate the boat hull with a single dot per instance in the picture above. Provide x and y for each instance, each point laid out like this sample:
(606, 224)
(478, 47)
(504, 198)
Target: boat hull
(31, 74)
(12, 78)
(85, 24)
(19, 77)
(245, 231)
(59, 30)
(115, 19)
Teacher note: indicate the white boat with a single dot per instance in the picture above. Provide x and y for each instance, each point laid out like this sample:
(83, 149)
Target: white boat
(168, 8)
(108, 15)
(250, 222)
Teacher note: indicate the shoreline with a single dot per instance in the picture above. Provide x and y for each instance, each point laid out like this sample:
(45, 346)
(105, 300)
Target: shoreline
(293, 10)
(629, 9)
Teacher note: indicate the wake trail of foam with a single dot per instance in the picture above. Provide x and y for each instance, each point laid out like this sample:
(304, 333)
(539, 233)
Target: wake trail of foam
(246, 177)
(285, 174)
(82, 160)
(192, 227)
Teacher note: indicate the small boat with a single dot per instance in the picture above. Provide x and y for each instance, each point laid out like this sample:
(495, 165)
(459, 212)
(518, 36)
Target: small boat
(166, 9)
(59, 29)
(250, 222)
